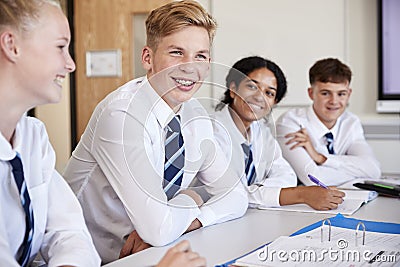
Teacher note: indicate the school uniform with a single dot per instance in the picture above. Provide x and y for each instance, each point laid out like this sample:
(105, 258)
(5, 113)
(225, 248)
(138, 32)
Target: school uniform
(352, 158)
(272, 172)
(59, 230)
(117, 171)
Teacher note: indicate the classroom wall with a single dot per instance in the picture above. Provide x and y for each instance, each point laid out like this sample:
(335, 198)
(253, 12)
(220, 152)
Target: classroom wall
(358, 47)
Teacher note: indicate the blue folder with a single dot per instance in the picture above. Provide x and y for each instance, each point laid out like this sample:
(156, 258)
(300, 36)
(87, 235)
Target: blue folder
(339, 221)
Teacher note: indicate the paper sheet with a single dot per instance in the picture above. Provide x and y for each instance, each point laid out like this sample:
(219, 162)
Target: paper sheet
(352, 202)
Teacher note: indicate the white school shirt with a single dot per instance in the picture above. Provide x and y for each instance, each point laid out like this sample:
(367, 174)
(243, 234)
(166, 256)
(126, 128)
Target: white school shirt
(117, 171)
(60, 233)
(273, 172)
(353, 156)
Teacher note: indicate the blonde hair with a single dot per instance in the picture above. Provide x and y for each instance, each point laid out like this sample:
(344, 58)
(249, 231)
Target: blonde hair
(20, 14)
(174, 16)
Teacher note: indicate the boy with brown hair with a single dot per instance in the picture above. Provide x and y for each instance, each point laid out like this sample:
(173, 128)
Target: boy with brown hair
(325, 140)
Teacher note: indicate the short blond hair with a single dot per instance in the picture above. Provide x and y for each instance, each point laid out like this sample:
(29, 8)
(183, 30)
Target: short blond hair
(175, 16)
(21, 13)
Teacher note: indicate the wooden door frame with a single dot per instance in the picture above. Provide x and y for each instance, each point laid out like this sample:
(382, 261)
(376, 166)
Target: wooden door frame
(86, 37)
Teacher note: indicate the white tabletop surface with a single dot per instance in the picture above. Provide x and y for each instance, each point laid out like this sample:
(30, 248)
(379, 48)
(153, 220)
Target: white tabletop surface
(227, 241)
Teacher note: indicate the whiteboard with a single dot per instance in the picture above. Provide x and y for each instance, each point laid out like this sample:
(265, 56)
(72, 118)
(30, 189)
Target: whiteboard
(293, 34)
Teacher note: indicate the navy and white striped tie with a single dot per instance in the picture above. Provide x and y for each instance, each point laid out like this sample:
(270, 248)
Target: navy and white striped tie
(24, 250)
(329, 142)
(250, 169)
(174, 158)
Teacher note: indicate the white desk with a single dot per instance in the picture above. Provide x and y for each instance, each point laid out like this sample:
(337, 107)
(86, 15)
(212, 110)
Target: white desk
(223, 242)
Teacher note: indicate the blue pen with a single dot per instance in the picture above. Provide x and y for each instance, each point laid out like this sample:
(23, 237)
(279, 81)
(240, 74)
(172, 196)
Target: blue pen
(317, 182)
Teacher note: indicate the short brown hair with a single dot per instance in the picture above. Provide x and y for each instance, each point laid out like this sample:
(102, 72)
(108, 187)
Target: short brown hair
(174, 16)
(329, 70)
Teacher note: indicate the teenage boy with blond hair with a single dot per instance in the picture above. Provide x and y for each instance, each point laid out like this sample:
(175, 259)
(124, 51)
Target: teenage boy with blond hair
(146, 142)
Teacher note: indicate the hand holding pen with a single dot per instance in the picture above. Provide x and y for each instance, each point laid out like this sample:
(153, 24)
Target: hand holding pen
(322, 197)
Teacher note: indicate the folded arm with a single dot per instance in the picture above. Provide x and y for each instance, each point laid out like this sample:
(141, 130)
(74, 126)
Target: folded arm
(330, 169)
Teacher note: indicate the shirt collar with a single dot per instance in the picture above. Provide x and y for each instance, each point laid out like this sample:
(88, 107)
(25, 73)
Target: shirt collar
(236, 134)
(318, 127)
(160, 109)
(335, 128)
(7, 152)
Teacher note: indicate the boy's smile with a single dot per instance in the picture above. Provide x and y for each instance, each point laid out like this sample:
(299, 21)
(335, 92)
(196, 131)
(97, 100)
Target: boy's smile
(178, 65)
(330, 101)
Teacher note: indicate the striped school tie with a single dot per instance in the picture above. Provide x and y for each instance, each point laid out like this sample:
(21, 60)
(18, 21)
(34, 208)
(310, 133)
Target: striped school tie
(248, 161)
(329, 142)
(24, 250)
(174, 158)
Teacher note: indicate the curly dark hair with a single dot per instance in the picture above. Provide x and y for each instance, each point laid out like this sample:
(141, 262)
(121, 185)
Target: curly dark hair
(244, 67)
